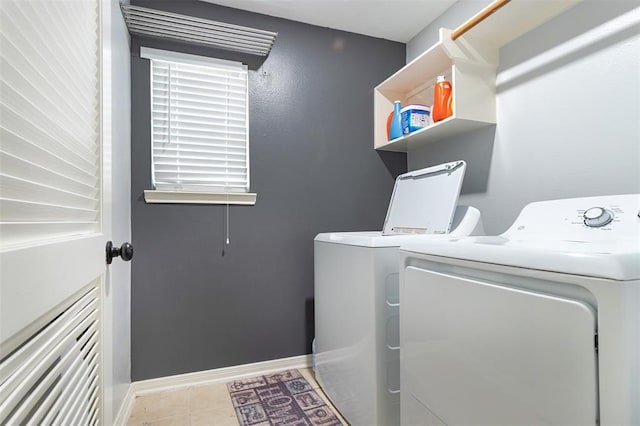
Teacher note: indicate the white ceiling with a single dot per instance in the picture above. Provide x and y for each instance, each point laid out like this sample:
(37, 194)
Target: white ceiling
(397, 20)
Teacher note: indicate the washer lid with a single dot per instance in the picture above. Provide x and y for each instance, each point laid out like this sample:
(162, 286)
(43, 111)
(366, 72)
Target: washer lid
(424, 201)
(466, 222)
(615, 260)
(373, 239)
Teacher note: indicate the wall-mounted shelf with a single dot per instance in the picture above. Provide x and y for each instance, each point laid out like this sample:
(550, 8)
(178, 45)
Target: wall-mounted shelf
(472, 70)
(470, 63)
(441, 130)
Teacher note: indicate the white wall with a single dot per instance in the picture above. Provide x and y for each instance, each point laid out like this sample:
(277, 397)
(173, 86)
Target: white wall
(568, 112)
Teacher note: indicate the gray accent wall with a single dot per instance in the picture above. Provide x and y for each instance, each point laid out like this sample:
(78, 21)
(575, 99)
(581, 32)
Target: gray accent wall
(198, 304)
(568, 113)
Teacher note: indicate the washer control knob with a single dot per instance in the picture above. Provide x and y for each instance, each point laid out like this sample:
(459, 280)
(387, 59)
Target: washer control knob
(596, 217)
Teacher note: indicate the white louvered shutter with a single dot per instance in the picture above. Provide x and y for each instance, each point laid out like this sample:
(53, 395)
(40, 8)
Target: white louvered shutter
(53, 378)
(199, 122)
(51, 241)
(49, 127)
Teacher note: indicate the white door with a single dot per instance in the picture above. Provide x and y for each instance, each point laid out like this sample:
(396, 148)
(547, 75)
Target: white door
(54, 212)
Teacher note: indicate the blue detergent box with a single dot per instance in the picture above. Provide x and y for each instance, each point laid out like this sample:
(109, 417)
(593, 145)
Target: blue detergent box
(415, 117)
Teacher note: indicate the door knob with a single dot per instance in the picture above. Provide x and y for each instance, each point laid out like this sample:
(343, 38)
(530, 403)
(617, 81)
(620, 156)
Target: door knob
(125, 251)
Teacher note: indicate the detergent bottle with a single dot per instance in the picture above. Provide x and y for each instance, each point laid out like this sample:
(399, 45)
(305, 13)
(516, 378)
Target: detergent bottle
(442, 100)
(396, 122)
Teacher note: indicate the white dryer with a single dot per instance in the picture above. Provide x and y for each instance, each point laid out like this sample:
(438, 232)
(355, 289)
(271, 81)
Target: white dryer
(356, 293)
(537, 326)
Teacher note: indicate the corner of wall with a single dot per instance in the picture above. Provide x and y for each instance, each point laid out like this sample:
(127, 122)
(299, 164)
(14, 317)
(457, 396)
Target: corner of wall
(451, 18)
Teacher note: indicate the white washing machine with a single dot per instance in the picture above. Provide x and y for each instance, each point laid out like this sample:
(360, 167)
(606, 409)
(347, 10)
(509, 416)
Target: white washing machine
(356, 293)
(537, 326)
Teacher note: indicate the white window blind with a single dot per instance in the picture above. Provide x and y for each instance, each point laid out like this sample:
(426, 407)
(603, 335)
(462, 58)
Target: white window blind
(49, 120)
(199, 123)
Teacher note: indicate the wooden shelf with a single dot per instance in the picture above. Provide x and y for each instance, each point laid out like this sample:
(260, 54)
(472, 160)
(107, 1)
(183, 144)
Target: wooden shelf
(470, 64)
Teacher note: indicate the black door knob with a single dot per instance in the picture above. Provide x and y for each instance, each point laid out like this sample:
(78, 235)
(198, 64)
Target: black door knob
(125, 251)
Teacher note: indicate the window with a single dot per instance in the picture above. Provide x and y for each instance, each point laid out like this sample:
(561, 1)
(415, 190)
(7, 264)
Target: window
(199, 129)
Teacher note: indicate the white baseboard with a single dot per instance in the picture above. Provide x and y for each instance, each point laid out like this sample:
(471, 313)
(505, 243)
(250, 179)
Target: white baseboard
(125, 408)
(218, 375)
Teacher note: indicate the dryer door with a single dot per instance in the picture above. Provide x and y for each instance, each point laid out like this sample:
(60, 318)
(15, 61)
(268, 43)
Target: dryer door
(477, 353)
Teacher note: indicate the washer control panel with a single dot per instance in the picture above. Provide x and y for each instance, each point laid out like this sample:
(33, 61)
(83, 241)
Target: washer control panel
(580, 219)
(596, 217)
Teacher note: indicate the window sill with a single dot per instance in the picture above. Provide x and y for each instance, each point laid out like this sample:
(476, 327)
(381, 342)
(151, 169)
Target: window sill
(152, 196)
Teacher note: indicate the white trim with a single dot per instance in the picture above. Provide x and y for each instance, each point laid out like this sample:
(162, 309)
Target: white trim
(154, 196)
(203, 61)
(218, 375)
(126, 407)
(106, 206)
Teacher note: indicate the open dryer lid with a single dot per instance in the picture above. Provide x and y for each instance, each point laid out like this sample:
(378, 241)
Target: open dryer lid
(424, 201)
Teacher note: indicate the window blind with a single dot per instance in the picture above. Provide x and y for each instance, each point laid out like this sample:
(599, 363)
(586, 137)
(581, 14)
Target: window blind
(49, 120)
(199, 123)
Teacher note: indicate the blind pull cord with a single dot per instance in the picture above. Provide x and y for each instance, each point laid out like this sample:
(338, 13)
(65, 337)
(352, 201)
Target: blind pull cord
(169, 105)
(226, 158)
(227, 219)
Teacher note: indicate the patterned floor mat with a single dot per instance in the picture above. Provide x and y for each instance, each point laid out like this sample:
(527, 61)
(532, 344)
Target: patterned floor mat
(283, 398)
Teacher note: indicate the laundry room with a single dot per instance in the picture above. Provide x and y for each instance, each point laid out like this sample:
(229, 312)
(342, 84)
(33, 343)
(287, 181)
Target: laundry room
(320, 212)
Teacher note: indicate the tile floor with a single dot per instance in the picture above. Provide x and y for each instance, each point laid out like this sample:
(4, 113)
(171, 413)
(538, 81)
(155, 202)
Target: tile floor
(201, 405)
